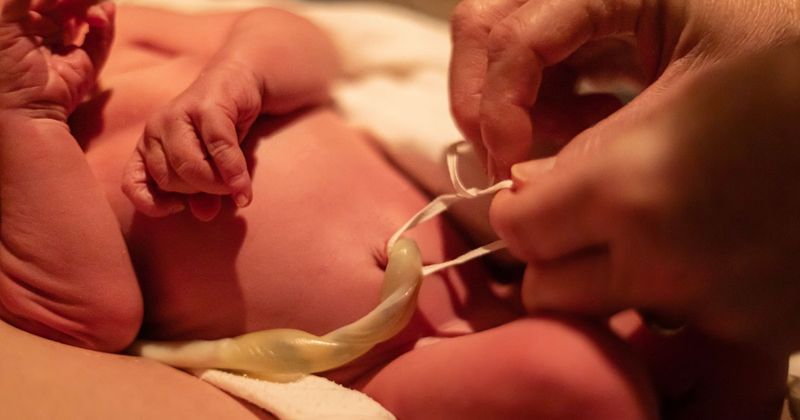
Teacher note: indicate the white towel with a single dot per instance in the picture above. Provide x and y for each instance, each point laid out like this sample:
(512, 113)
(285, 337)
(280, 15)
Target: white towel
(309, 398)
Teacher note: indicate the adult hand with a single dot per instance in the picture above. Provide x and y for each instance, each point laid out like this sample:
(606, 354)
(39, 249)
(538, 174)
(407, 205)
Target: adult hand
(691, 214)
(44, 72)
(516, 63)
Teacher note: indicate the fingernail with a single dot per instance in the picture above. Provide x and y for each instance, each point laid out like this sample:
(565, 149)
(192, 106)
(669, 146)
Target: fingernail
(661, 324)
(524, 173)
(519, 175)
(242, 200)
(96, 21)
(177, 208)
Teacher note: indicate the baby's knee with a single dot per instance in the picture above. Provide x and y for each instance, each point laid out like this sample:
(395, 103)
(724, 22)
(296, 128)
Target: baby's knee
(556, 369)
(115, 323)
(103, 320)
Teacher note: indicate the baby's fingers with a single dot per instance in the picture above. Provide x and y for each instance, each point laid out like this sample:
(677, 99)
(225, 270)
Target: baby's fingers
(205, 207)
(142, 194)
(187, 168)
(11, 10)
(222, 144)
(101, 34)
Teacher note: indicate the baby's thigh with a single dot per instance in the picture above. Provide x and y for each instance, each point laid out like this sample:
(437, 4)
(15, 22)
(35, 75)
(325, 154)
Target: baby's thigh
(539, 368)
(45, 379)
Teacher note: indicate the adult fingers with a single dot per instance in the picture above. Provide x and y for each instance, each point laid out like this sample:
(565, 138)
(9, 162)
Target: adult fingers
(563, 204)
(548, 214)
(521, 46)
(471, 23)
(143, 196)
(222, 144)
(580, 283)
(560, 113)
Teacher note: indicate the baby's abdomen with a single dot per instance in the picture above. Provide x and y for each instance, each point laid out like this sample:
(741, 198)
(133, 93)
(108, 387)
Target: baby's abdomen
(307, 253)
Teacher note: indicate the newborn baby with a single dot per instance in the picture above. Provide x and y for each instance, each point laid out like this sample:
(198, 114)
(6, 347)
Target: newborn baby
(293, 238)
(309, 251)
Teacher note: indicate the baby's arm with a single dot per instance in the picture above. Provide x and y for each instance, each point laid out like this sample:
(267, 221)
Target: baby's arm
(294, 61)
(271, 62)
(64, 269)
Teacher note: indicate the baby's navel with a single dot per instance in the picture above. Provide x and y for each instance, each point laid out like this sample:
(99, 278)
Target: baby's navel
(286, 354)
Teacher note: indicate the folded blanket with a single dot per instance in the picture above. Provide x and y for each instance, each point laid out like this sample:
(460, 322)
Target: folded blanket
(309, 398)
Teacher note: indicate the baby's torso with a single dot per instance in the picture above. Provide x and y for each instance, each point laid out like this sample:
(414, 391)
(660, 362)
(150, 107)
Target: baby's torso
(308, 253)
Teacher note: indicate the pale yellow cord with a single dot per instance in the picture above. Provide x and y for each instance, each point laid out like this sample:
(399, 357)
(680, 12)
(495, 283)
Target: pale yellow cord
(286, 354)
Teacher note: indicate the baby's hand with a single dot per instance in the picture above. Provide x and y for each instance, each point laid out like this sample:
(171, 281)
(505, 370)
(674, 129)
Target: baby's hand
(42, 72)
(189, 152)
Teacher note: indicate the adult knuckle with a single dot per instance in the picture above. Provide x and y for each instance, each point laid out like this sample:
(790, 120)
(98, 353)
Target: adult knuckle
(492, 113)
(167, 116)
(149, 141)
(152, 126)
(465, 109)
(475, 17)
(203, 108)
(465, 16)
(506, 33)
(189, 115)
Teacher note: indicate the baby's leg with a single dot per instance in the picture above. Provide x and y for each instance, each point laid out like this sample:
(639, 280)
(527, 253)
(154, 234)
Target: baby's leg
(45, 379)
(540, 368)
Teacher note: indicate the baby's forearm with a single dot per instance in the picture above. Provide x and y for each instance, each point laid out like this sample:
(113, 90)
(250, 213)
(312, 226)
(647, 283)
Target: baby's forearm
(64, 270)
(293, 60)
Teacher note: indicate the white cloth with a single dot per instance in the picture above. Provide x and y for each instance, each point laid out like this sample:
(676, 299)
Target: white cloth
(309, 398)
